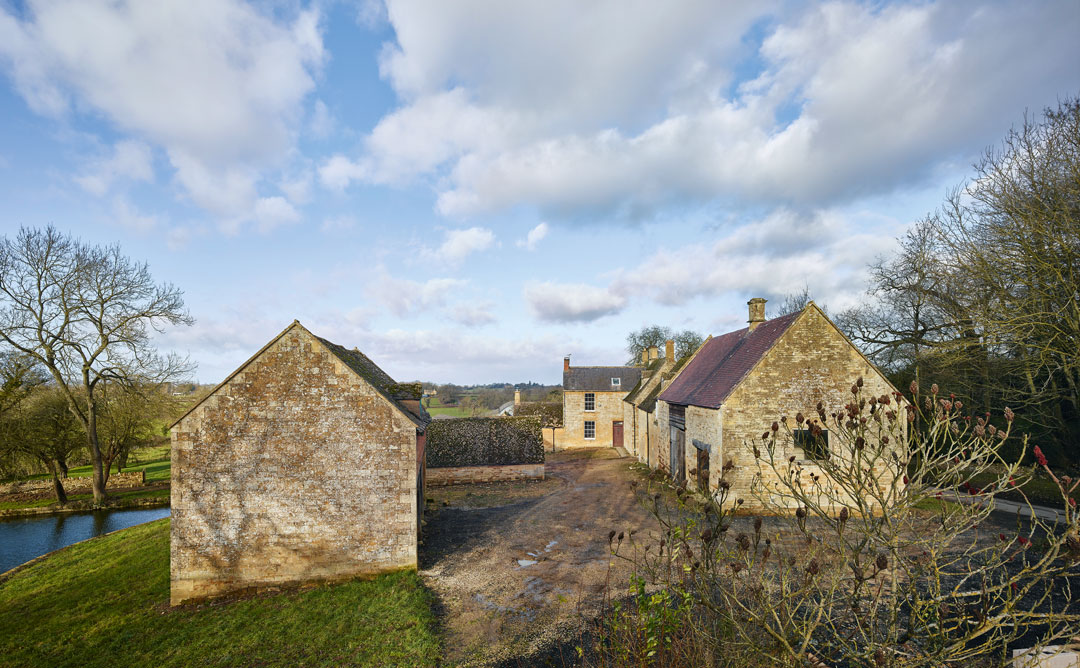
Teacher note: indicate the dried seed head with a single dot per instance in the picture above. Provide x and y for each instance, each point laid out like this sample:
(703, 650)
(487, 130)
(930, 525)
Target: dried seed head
(800, 513)
(844, 514)
(813, 568)
(859, 382)
(775, 427)
(611, 535)
(1009, 415)
(757, 525)
(914, 387)
(882, 562)
(799, 418)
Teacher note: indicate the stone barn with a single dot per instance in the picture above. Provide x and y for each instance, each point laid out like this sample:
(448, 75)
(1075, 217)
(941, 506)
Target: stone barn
(738, 383)
(307, 463)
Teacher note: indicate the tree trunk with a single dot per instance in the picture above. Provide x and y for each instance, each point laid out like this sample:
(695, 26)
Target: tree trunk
(62, 463)
(101, 477)
(58, 486)
(122, 459)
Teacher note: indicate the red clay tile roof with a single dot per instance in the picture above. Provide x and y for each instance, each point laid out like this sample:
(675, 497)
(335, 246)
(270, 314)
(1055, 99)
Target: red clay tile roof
(723, 362)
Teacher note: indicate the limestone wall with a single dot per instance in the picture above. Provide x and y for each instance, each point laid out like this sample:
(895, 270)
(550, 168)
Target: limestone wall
(609, 407)
(296, 469)
(475, 474)
(76, 485)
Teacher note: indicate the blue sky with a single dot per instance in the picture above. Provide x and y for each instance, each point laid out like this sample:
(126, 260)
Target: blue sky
(468, 191)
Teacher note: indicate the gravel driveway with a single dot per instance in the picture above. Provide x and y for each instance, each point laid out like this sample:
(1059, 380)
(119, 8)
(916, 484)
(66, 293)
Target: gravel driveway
(515, 581)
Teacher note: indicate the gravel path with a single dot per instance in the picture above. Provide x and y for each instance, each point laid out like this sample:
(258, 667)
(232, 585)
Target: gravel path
(514, 582)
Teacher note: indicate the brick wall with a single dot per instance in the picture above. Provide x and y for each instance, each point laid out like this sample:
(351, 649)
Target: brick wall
(474, 474)
(296, 469)
(609, 407)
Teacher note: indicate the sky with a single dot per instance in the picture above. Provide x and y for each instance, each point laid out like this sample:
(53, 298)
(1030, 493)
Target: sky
(468, 191)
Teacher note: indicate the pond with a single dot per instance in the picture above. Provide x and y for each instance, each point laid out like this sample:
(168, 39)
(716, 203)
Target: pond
(23, 538)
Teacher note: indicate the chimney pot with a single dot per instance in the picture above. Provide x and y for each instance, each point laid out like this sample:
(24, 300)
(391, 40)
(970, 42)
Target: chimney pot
(669, 350)
(654, 352)
(566, 363)
(644, 356)
(757, 312)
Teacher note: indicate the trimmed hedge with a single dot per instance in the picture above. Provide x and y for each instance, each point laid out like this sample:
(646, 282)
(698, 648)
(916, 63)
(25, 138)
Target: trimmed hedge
(484, 441)
(549, 412)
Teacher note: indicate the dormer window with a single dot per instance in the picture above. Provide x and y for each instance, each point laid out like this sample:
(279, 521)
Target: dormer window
(616, 382)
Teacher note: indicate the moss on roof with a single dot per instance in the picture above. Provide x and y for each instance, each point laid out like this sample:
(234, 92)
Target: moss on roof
(648, 404)
(381, 381)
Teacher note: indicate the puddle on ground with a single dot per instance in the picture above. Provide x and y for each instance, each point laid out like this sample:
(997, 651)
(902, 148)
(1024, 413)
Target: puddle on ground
(526, 562)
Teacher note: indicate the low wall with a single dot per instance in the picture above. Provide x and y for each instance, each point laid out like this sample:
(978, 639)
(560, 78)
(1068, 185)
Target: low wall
(459, 475)
(76, 485)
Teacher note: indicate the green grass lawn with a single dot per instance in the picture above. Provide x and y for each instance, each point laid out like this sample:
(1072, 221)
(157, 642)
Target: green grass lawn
(162, 493)
(105, 603)
(437, 408)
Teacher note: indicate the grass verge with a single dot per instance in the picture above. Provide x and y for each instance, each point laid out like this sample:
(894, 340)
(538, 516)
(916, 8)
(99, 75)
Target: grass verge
(104, 602)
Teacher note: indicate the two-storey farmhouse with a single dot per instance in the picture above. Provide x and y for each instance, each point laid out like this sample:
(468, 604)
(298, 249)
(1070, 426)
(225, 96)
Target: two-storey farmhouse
(593, 404)
(307, 463)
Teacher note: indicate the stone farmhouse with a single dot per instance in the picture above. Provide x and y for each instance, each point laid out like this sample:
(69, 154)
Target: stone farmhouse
(593, 404)
(736, 384)
(307, 463)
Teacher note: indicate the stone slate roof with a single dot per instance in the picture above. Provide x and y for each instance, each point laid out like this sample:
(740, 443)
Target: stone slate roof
(648, 404)
(598, 378)
(406, 396)
(723, 362)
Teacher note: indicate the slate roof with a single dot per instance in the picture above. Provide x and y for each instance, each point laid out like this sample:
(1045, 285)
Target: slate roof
(406, 396)
(649, 402)
(598, 378)
(723, 362)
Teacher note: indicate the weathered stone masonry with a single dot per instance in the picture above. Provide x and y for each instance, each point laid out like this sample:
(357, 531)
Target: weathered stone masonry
(295, 468)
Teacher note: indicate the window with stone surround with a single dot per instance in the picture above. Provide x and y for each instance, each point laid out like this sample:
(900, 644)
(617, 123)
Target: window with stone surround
(813, 447)
(590, 401)
(590, 430)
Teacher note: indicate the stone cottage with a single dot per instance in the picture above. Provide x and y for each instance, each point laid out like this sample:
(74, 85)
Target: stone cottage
(593, 404)
(639, 405)
(306, 463)
(738, 383)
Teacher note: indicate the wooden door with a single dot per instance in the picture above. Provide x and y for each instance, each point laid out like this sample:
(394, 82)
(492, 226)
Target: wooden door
(703, 469)
(678, 454)
(616, 434)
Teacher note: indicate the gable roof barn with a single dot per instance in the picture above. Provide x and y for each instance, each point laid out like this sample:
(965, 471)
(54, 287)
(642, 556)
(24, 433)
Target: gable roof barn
(404, 396)
(723, 362)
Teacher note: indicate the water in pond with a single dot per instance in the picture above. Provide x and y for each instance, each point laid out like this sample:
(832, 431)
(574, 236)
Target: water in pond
(23, 538)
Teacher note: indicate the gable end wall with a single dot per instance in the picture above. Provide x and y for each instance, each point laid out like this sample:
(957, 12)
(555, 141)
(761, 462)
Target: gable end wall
(296, 469)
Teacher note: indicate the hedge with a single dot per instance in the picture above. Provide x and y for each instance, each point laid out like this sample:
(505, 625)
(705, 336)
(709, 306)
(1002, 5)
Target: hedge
(549, 412)
(484, 441)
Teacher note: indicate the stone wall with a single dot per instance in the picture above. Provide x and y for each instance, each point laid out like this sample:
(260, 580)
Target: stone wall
(609, 408)
(296, 469)
(76, 485)
(811, 362)
(458, 475)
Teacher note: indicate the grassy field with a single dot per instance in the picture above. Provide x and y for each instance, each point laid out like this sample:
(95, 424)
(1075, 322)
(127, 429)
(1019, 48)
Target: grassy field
(105, 603)
(161, 493)
(436, 408)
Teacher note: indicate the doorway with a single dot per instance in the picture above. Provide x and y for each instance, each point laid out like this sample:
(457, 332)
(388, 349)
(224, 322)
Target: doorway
(616, 434)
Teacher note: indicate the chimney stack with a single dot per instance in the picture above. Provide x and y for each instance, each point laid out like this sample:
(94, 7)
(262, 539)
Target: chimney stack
(644, 356)
(669, 350)
(517, 398)
(566, 363)
(757, 312)
(654, 353)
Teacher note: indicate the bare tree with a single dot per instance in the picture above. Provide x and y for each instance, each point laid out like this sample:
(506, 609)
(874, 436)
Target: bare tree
(686, 341)
(85, 314)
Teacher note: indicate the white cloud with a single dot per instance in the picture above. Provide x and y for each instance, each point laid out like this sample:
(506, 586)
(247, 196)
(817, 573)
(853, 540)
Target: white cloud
(507, 105)
(459, 244)
(338, 172)
(404, 297)
(338, 224)
(534, 237)
(273, 212)
(129, 160)
(322, 123)
(216, 83)
(566, 302)
(473, 315)
(125, 214)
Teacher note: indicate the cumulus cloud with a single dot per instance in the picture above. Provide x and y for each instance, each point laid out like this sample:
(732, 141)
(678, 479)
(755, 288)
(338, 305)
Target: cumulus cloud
(129, 160)
(404, 297)
(459, 244)
(567, 302)
(534, 237)
(215, 83)
(473, 315)
(509, 106)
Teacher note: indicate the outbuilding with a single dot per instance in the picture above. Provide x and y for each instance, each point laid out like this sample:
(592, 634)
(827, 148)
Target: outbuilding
(306, 463)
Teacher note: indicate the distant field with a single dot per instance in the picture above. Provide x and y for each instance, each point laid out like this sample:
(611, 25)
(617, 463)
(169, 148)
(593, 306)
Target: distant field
(436, 408)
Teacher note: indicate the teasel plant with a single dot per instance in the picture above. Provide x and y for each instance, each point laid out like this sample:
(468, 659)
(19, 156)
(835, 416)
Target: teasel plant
(879, 537)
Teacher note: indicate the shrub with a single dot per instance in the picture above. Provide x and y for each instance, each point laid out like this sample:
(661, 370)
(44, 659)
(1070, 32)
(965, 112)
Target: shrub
(483, 441)
(884, 562)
